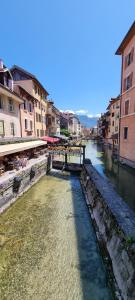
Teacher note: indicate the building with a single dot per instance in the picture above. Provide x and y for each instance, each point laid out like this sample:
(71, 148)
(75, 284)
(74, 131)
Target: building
(31, 84)
(27, 115)
(74, 125)
(9, 105)
(127, 115)
(112, 117)
(64, 121)
(52, 120)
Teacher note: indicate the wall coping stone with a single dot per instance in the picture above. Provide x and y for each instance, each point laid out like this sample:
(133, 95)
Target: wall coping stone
(125, 217)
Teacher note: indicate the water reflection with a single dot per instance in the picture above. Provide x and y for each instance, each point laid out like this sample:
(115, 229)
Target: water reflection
(122, 177)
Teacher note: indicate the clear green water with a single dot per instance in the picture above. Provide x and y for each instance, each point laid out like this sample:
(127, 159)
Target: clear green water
(48, 249)
(122, 177)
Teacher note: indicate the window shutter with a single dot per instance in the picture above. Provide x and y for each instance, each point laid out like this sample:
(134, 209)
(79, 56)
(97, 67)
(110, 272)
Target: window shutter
(125, 61)
(131, 79)
(124, 87)
(132, 54)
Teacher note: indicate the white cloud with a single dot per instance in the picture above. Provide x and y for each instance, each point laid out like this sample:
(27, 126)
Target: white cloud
(69, 111)
(81, 112)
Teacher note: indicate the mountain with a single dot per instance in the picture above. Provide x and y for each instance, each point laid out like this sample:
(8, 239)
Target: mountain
(88, 122)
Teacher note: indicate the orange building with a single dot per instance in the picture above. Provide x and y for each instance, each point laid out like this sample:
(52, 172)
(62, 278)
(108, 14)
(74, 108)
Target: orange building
(127, 116)
(27, 115)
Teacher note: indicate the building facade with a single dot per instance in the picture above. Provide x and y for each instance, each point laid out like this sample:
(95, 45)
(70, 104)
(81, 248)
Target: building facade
(74, 126)
(31, 84)
(27, 115)
(9, 106)
(127, 116)
(113, 117)
(52, 120)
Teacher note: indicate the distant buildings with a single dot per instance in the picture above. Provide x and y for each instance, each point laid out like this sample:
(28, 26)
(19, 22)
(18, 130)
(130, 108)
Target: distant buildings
(25, 110)
(108, 124)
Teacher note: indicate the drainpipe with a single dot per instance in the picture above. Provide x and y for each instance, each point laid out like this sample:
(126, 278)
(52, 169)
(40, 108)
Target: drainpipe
(20, 119)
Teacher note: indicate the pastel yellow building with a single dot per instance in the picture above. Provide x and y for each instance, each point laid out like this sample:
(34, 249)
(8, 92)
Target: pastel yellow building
(35, 88)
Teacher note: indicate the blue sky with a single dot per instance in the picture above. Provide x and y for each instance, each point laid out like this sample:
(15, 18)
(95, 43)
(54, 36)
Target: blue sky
(69, 45)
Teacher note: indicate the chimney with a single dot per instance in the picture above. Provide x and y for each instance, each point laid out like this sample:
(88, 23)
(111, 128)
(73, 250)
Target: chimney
(1, 64)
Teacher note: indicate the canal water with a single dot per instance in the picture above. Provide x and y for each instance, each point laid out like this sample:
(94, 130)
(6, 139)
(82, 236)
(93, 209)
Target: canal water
(48, 248)
(122, 177)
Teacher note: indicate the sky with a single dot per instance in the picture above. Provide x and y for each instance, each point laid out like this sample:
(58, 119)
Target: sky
(69, 45)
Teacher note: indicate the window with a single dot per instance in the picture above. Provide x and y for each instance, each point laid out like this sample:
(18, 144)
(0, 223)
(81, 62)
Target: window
(39, 116)
(25, 104)
(37, 132)
(36, 117)
(31, 125)
(1, 103)
(12, 128)
(41, 132)
(35, 89)
(30, 107)
(125, 133)
(39, 105)
(113, 114)
(129, 58)
(126, 107)
(128, 82)
(1, 128)
(26, 124)
(112, 123)
(11, 105)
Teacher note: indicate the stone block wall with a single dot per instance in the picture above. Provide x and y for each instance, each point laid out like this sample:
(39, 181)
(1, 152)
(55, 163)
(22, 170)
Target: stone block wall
(115, 225)
(15, 183)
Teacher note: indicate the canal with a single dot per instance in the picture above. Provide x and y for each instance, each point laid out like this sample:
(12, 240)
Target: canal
(122, 177)
(48, 248)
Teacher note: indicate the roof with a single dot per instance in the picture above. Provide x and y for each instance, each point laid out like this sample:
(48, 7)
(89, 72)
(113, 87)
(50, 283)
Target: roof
(126, 39)
(9, 93)
(18, 147)
(24, 90)
(112, 101)
(30, 75)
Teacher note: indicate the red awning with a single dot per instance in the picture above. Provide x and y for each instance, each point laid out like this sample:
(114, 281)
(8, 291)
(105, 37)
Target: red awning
(50, 139)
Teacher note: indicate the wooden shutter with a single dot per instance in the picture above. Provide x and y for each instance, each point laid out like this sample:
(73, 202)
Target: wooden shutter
(125, 61)
(124, 85)
(132, 54)
(131, 79)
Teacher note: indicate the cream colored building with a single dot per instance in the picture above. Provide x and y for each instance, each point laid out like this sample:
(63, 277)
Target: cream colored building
(53, 120)
(9, 113)
(74, 125)
(113, 121)
(35, 88)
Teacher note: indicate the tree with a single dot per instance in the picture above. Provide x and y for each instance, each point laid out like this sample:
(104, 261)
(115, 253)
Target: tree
(64, 132)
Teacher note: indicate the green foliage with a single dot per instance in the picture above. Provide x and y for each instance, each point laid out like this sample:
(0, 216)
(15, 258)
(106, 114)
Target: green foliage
(130, 240)
(64, 132)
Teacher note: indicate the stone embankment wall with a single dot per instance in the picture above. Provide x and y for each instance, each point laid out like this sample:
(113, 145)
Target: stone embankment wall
(14, 183)
(115, 224)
